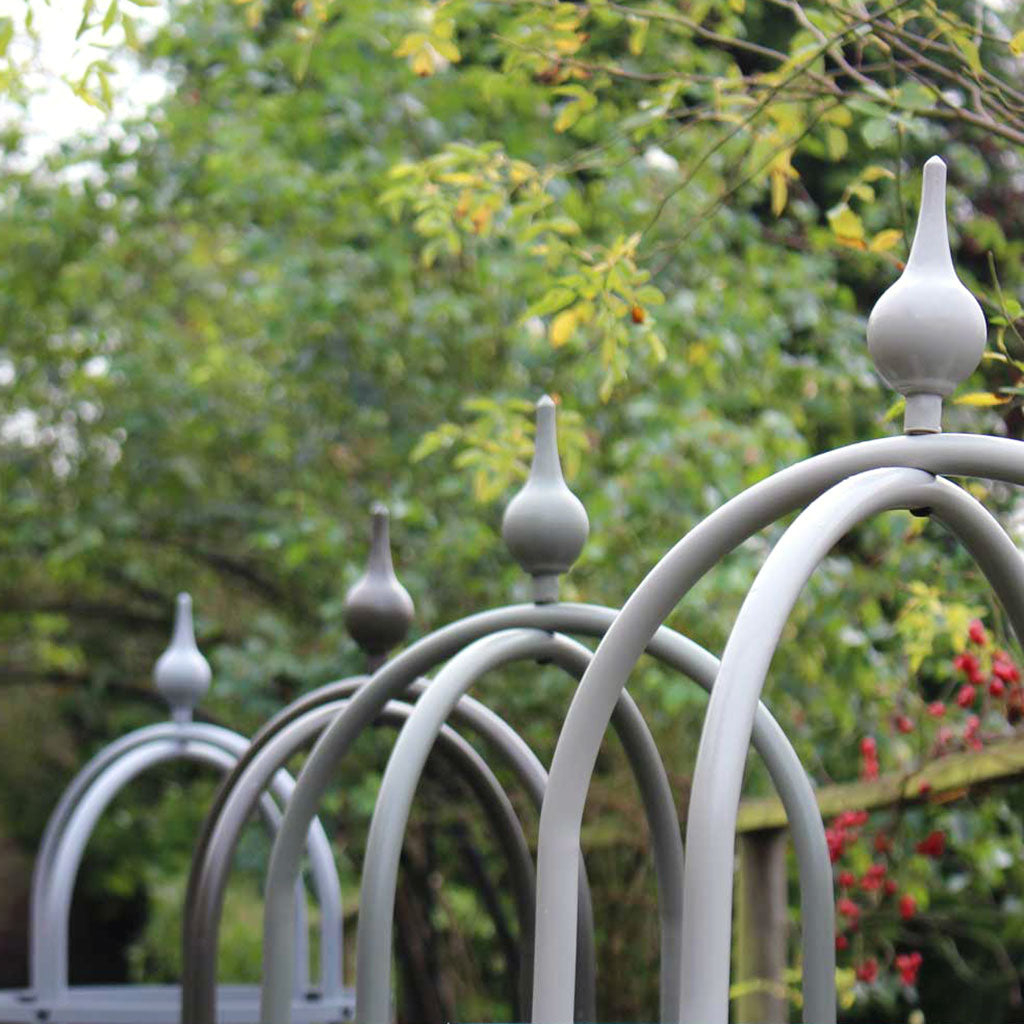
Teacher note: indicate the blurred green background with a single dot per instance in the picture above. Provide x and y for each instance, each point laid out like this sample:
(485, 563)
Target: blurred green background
(335, 263)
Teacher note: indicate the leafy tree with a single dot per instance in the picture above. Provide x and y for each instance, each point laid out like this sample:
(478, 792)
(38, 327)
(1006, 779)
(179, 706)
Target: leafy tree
(353, 243)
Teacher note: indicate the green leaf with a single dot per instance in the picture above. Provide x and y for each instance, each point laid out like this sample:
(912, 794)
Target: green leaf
(877, 132)
(552, 301)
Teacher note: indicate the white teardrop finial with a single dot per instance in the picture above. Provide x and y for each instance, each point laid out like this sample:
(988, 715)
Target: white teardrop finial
(182, 674)
(545, 525)
(927, 332)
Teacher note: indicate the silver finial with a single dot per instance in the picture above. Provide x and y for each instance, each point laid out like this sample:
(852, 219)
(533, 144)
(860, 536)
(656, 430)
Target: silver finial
(182, 674)
(378, 609)
(545, 525)
(927, 332)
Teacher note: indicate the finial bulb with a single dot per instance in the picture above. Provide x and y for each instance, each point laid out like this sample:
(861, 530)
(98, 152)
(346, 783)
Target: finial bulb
(545, 525)
(927, 332)
(182, 674)
(378, 609)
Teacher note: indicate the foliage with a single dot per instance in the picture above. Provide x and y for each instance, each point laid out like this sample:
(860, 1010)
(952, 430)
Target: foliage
(347, 250)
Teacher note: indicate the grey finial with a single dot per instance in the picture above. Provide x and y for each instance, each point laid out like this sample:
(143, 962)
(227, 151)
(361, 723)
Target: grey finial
(927, 332)
(378, 609)
(545, 525)
(182, 674)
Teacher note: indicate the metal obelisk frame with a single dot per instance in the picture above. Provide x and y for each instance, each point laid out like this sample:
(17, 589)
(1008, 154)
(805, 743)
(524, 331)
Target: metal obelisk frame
(182, 675)
(378, 612)
(926, 334)
(545, 526)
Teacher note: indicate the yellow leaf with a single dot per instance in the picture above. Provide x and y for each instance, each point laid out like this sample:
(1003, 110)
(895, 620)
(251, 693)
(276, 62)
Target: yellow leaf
(780, 192)
(836, 143)
(981, 398)
(423, 62)
(410, 44)
(886, 240)
(562, 327)
(568, 44)
(840, 116)
(637, 34)
(447, 49)
(846, 224)
(567, 117)
(657, 348)
(1017, 44)
(874, 172)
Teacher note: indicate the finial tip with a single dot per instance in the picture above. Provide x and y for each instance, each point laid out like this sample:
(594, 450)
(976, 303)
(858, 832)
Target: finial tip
(927, 331)
(545, 525)
(378, 609)
(182, 674)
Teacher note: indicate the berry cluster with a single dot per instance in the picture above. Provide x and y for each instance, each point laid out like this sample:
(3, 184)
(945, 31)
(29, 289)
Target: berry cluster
(987, 683)
(872, 889)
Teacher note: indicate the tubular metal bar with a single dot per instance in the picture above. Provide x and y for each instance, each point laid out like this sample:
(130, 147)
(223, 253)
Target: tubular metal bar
(49, 969)
(587, 620)
(266, 732)
(199, 981)
(638, 621)
(533, 776)
(215, 735)
(718, 776)
(405, 766)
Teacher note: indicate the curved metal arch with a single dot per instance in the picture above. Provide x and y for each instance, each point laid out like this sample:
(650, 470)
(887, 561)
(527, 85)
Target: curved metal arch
(757, 631)
(674, 649)
(49, 970)
(639, 620)
(533, 777)
(210, 870)
(73, 819)
(72, 794)
(403, 772)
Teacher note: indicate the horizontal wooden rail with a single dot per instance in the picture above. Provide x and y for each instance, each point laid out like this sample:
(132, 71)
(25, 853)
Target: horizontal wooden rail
(943, 776)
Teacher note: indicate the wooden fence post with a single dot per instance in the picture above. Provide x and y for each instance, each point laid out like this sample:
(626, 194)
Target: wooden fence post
(762, 924)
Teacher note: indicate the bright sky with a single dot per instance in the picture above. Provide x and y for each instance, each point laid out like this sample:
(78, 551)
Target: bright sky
(55, 113)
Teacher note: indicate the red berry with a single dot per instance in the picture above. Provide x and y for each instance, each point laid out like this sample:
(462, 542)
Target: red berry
(1005, 670)
(842, 942)
(882, 843)
(966, 662)
(904, 724)
(908, 964)
(868, 746)
(937, 709)
(996, 687)
(867, 971)
(966, 695)
(908, 907)
(971, 730)
(933, 845)
(890, 887)
(846, 879)
(976, 631)
(848, 908)
(837, 839)
(851, 819)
